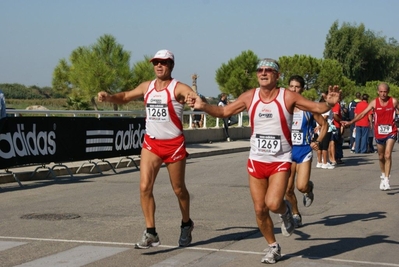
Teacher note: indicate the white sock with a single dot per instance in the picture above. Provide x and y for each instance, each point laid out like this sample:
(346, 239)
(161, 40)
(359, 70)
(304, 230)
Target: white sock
(273, 245)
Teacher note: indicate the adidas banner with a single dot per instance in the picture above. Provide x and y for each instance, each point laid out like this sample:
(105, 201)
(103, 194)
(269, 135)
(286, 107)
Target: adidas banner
(43, 140)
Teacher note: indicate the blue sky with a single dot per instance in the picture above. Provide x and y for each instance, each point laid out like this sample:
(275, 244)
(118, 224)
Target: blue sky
(203, 34)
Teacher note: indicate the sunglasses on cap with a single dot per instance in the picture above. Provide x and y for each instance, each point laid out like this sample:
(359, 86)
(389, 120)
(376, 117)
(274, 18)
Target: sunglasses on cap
(267, 70)
(162, 62)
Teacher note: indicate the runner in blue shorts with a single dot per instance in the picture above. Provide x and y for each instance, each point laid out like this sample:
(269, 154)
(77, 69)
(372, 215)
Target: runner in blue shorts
(303, 125)
(302, 154)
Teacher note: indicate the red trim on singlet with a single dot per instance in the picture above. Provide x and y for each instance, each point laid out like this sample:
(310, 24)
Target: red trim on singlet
(283, 122)
(175, 119)
(252, 115)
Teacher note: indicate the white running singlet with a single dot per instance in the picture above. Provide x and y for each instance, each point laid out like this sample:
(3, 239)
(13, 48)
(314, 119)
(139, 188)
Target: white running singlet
(163, 112)
(271, 129)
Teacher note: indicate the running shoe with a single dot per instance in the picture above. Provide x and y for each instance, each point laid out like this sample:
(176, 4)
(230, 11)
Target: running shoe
(308, 197)
(148, 240)
(319, 164)
(328, 166)
(382, 183)
(185, 235)
(386, 184)
(273, 254)
(287, 224)
(297, 220)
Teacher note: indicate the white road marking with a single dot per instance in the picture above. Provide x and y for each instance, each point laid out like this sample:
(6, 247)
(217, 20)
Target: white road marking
(181, 259)
(4, 245)
(78, 256)
(190, 248)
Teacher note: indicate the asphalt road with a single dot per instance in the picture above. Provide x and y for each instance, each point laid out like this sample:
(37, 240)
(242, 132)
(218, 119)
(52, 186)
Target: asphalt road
(94, 220)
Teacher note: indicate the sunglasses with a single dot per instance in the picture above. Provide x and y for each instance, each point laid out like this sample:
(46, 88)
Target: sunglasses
(162, 62)
(267, 70)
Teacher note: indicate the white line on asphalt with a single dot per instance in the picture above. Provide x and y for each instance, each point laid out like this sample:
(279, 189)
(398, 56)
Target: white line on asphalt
(182, 259)
(190, 248)
(68, 241)
(78, 256)
(4, 245)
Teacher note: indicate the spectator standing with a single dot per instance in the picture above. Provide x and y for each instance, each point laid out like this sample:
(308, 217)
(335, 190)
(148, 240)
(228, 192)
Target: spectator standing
(337, 135)
(164, 142)
(3, 111)
(222, 103)
(362, 126)
(351, 115)
(324, 154)
(198, 119)
(318, 154)
(370, 143)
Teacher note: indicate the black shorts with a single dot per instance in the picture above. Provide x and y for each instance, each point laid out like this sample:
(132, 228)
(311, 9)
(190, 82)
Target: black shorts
(325, 142)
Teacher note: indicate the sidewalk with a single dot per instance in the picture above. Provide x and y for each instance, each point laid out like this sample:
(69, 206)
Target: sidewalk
(37, 172)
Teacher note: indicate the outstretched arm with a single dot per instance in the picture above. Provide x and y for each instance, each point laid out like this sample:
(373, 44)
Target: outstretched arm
(124, 97)
(240, 104)
(360, 115)
(331, 99)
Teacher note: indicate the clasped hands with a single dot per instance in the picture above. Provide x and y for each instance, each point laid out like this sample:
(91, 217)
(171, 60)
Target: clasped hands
(193, 100)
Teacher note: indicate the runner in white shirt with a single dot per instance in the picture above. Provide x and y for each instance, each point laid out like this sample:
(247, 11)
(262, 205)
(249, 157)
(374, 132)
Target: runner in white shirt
(164, 142)
(270, 110)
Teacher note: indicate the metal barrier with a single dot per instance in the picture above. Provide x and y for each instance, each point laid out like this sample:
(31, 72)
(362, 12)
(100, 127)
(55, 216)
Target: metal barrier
(100, 114)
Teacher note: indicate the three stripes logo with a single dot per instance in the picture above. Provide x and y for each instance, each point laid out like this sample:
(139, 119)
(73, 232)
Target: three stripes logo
(110, 140)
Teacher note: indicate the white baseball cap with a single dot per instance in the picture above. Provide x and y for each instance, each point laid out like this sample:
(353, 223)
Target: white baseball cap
(163, 54)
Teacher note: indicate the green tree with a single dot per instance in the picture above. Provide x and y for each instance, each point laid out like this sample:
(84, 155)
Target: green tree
(15, 91)
(60, 81)
(371, 89)
(306, 66)
(347, 45)
(311, 94)
(317, 73)
(330, 74)
(238, 75)
(143, 71)
(348, 88)
(391, 63)
(76, 102)
(19, 91)
(103, 66)
(363, 54)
